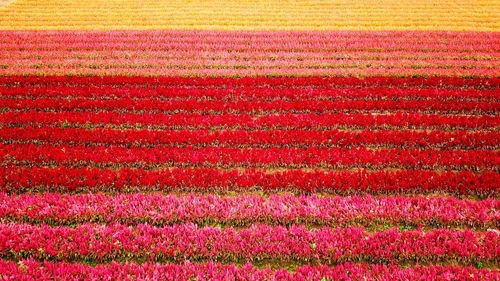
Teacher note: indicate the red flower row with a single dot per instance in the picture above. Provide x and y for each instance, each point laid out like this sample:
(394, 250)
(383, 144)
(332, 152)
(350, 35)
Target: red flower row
(20, 179)
(251, 107)
(247, 122)
(318, 81)
(264, 139)
(312, 157)
(246, 93)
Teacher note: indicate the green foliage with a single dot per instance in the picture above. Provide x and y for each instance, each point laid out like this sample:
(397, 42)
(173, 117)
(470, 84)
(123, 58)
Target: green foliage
(404, 227)
(89, 262)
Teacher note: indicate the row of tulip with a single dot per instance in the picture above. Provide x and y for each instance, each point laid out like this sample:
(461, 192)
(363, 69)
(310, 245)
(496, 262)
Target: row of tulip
(251, 107)
(258, 242)
(245, 53)
(255, 64)
(309, 38)
(241, 70)
(236, 43)
(480, 51)
(263, 139)
(288, 82)
(256, 61)
(24, 179)
(190, 121)
(238, 15)
(31, 269)
(244, 210)
(266, 93)
(227, 157)
(254, 55)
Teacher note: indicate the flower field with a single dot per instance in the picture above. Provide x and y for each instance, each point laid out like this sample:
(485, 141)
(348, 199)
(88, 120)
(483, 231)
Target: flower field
(456, 15)
(249, 140)
(249, 53)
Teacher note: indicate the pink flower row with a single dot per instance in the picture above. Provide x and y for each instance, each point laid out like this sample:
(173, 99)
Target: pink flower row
(243, 35)
(237, 71)
(34, 270)
(241, 210)
(247, 122)
(233, 48)
(243, 138)
(234, 62)
(180, 242)
(253, 46)
(20, 179)
(243, 53)
(253, 40)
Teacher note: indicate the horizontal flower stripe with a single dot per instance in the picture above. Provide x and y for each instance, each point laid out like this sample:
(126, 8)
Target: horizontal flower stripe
(222, 157)
(263, 92)
(26, 269)
(180, 242)
(15, 179)
(246, 122)
(288, 82)
(251, 15)
(241, 70)
(263, 139)
(243, 210)
(212, 53)
(250, 107)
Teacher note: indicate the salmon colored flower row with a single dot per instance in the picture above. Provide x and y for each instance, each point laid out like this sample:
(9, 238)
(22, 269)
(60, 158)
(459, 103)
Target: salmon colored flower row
(236, 53)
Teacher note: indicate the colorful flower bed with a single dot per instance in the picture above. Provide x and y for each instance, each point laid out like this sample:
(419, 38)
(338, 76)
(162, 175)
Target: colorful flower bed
(256, 140)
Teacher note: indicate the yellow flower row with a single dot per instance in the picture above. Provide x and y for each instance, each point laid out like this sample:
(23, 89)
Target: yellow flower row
(468, 15)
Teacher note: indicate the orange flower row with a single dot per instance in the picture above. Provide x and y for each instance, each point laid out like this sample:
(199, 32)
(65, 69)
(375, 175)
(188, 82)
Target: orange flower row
(250, 15)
